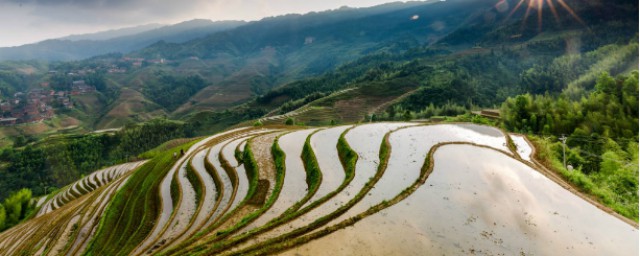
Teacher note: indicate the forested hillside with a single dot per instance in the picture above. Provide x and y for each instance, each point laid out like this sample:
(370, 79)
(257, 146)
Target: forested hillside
(396, 62)
(57, 161)
(602, 131)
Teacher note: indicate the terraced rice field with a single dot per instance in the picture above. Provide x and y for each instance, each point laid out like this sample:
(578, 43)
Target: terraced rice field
(68, 220)
(372, 189)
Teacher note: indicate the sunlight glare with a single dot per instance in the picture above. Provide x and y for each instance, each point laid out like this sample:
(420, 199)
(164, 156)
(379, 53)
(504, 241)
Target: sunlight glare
(539, 5)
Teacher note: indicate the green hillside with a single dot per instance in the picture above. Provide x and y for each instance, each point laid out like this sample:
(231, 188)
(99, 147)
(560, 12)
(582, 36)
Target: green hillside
(466, 126)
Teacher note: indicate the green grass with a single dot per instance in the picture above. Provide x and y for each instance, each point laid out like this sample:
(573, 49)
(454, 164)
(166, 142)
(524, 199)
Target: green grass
(175, 192)
(588, 184)
(511, 145)
(251, 167)
(164, 147)
(238, 154)
(249, 159)
(231, 172)
(314, 175)
(214, 174)
(196, 181)
(348, 157)
(134, 208)
(279, 158)
(234, 180)
(297, 237)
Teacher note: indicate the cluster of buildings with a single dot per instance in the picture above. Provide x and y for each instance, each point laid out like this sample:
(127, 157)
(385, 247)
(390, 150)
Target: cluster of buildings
(138, 62)
(37, 104)
(134, 63)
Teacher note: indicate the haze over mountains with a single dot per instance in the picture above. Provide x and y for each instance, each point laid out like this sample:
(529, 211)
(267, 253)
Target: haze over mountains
(180, 70)
(113, 33)
(77, 47)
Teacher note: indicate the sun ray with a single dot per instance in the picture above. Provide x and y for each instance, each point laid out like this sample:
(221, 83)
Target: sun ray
(552, 7)
(539, 2)
(540, 5)
(515, 9)
(526, 15)
(570, 11)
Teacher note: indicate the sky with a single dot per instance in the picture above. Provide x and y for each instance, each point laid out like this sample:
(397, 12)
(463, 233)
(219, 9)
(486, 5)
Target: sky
(29, 21)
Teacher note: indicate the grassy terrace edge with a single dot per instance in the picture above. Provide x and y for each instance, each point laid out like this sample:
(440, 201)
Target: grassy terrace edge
(425, 171)
(132, 212)
(348, 158)
(279, 158)
(231, 172)
(252, 169)
(298, 236)
(584, 187)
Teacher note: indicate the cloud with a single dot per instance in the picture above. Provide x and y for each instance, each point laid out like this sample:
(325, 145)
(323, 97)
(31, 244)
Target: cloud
(27, 21)
(107, 11)
(80, 3)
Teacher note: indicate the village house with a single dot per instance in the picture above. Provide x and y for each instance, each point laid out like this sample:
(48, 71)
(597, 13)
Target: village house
(80, 87)
(5, 107)
(32, 106)
(8, 121)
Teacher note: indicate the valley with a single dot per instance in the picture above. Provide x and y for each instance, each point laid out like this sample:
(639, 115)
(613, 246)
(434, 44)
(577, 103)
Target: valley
(458, 127)
(385, 179)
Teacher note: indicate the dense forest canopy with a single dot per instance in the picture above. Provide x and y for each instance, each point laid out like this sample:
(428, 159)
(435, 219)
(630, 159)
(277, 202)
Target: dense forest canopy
(56, 162)
(602, 130)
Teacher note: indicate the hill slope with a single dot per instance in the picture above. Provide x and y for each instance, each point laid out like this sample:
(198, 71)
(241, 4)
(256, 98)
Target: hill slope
(82, 47)
(273, 189)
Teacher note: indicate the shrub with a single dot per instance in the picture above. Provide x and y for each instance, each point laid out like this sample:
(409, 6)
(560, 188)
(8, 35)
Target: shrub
(289, 121)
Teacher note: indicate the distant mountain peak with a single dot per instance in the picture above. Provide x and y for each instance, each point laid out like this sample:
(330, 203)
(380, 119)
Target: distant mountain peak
(113, 33)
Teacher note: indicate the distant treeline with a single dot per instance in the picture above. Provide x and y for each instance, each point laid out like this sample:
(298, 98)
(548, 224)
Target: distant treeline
(56, 162)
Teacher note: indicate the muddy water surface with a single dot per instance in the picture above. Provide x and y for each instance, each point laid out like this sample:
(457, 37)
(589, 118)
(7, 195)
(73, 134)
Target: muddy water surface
(210, 192)
(480, 201)
(295, 179)
(324, 145)
(261, 147)
(409, 147)
(523, 147)
(226, 184)
(243, 180)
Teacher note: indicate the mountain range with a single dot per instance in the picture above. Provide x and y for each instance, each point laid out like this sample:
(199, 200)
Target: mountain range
(77, 47)
(252, 68)
(254, 138)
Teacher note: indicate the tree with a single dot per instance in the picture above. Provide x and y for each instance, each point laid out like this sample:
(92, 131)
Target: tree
(17, 206)
(606, 84)
(407, 116)
(289, 121)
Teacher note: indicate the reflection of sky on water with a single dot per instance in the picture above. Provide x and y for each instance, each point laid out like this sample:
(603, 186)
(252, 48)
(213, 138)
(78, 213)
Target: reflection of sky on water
(480, 201)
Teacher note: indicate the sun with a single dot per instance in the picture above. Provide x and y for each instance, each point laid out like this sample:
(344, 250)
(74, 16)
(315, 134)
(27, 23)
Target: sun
(538, 6)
